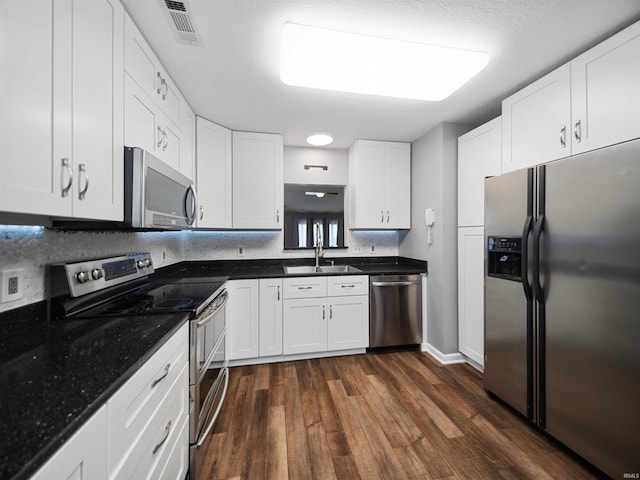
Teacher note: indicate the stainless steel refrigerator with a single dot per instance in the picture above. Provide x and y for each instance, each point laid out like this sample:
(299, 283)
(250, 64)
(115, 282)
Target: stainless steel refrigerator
(562, 301)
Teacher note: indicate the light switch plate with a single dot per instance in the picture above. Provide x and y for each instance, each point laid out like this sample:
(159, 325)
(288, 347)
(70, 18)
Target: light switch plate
(12, 285)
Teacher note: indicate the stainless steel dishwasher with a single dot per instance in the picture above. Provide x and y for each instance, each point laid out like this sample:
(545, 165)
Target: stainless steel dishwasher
(395, 315)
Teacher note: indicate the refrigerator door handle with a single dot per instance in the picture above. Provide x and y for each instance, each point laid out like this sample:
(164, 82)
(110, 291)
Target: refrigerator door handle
(525, 258)
(537, 233)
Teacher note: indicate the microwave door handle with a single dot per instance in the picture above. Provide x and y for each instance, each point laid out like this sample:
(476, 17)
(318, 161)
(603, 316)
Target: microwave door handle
(191, 217)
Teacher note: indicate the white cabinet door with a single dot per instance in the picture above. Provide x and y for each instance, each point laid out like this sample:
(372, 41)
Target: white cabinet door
(257, 181)
(31, 178)
(141, 127)
(304, 325)
(367, 183)
(98, 152)
(242, 319)
(605, 98)
(61, 145)
(397, 193)
(83, 456)
(348, 324)
(270, 317)
(471, 293)
(379, 190)
(536, 120)
(479, 156)
(188, 142)
(213, 166)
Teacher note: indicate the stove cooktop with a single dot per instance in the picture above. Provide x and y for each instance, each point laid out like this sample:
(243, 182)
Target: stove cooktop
(156, 299)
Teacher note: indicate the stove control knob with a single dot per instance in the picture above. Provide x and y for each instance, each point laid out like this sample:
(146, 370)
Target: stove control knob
(82, 277)
(96, 273)
(144, 263)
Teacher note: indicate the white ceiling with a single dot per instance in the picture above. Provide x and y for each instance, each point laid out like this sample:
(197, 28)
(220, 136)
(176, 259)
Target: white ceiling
(233, 78)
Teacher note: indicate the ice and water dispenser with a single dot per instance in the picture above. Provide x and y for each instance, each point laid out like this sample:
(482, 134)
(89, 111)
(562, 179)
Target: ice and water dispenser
(505, 257)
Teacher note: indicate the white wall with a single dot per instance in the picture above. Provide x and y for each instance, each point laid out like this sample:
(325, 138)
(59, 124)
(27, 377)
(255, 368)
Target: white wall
(434, 185)
(33, 248)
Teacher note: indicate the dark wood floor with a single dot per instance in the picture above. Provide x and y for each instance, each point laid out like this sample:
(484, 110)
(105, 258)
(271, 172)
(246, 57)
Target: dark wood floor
(389, 415)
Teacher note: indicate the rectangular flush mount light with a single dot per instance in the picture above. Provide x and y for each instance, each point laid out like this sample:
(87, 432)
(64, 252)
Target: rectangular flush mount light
(348, 62)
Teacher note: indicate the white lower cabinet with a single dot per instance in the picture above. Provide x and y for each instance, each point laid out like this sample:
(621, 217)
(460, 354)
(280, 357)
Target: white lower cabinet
(270, 317)
(471, 293)
(242, 319)
(325, 314)
(304, 325)
(148, 413)
(83, 456)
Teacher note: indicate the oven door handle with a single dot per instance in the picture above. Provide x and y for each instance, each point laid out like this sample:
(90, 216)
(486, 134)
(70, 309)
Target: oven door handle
(217, 306)
(207, 430)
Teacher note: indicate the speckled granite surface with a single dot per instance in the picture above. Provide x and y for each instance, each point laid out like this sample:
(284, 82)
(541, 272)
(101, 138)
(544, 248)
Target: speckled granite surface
(55, 375)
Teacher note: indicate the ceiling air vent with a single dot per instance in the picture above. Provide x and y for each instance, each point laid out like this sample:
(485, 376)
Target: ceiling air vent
(181, 19)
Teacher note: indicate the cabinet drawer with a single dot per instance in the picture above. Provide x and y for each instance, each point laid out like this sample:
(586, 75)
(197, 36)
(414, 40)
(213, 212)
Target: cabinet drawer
(134, 405)
(349, 285)
(304, 287)
(177, 460)
(155, 443)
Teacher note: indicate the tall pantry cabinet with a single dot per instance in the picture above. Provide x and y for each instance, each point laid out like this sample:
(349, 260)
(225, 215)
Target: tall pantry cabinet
(479, 156)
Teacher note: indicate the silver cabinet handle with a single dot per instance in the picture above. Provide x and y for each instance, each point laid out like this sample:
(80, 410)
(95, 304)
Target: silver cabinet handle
(387, 216)
(348, 286)
(323, 312)
(305, 288)
(166, 140)
(82, 171)
(165, 89)
(160, 136)
(381, 216)
(577, 131)
(278, 216)
(563, 136)
(167, 431)
(161, 378)
(65, 189)
(160, 81)
(201, 212)
(393, 284)
(278, 292)
(330, 312)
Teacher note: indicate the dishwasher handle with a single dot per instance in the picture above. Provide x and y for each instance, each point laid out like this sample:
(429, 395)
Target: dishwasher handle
(395, 284)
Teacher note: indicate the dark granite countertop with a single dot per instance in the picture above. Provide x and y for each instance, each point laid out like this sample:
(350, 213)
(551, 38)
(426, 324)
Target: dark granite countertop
(55, 374)
(274, 268)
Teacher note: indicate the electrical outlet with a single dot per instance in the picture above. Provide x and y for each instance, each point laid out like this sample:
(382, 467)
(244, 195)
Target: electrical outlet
(241, 251)
(12, 285)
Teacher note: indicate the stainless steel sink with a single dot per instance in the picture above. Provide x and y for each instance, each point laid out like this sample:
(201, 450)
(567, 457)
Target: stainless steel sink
(307, 269)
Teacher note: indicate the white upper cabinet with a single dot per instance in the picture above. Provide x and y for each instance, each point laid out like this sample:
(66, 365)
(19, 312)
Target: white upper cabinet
(536, 122)
(61, 144)
(157, 117)
(213, 166)
(589, 103)
(479, 156)
(605, 98)
(258, 190)
(379, 190)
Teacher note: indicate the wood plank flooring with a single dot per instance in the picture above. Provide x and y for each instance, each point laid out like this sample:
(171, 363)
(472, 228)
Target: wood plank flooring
(392, 415)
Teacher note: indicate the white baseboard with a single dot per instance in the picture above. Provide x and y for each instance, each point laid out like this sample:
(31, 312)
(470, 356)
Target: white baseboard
(443, 358)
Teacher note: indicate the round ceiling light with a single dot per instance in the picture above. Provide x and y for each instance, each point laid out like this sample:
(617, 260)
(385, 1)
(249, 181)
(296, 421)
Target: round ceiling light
(319, 139)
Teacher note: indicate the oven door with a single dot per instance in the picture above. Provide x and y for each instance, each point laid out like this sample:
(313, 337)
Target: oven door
(207, 338)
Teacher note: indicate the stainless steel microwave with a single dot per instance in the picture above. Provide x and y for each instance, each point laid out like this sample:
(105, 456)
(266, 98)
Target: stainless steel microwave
(156, 196)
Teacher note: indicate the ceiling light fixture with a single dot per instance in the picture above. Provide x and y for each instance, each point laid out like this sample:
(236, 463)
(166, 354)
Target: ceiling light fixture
(320, 139)
(349, 62)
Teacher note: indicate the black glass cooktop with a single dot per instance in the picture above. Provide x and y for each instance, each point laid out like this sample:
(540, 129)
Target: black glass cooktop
(154, 299)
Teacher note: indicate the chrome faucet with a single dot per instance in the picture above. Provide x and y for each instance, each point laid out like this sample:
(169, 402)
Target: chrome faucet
(319, 250)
